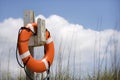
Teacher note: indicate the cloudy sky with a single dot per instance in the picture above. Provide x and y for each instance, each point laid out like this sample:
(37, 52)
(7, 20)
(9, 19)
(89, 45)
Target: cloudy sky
(79, 28)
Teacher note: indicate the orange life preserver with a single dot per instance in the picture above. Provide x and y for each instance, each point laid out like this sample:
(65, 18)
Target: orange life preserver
(32, 64)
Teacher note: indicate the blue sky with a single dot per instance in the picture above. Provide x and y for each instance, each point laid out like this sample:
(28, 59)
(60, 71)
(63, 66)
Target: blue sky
(85, 12)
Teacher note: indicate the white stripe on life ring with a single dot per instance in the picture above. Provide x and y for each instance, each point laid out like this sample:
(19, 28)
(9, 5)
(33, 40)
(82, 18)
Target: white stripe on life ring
(24, 55)
(49, 40)
(31, 27)
(46, 63)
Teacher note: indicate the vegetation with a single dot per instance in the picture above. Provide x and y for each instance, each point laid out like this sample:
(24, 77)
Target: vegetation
(100, 72)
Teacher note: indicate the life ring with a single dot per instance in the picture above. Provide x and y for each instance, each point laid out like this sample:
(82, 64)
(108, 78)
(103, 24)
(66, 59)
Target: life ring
(32, 64)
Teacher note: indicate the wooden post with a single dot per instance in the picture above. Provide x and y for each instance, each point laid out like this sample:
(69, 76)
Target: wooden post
(29, 18)
(38, 39)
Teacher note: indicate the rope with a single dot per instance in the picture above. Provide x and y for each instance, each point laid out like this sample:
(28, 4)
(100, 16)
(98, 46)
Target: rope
(24, 64)
(48, 72)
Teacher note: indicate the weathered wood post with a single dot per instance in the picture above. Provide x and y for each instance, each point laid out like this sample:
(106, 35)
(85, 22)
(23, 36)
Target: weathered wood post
(37, 40)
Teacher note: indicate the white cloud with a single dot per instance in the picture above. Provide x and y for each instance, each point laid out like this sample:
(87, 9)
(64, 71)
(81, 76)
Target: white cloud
(9, 28)
(69, 39)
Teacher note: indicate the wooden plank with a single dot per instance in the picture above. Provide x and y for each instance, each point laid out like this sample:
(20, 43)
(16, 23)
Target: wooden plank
(41, 31)
(40, 38)
(29, 18)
